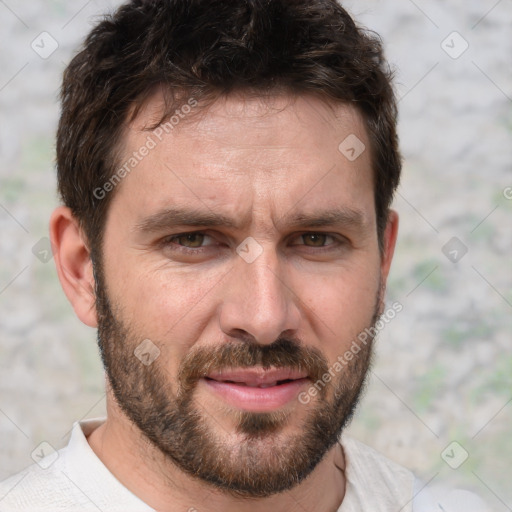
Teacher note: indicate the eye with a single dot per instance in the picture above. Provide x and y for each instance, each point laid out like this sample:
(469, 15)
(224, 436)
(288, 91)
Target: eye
(188, 243)
(198, 242)
(190, 240)
(320, 241)
(316, 239)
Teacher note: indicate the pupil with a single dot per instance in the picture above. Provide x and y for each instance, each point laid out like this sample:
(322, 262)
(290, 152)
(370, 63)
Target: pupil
(316, 239)
(190, 239)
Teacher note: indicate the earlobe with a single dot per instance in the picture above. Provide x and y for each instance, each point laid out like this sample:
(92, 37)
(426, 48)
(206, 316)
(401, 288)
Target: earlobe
(74, 265)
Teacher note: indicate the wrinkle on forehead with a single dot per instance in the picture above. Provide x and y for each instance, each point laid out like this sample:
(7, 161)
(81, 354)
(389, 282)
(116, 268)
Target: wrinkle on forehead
(261, 154)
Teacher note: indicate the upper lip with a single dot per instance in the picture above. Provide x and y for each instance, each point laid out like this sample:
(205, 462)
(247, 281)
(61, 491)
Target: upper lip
(257, 376)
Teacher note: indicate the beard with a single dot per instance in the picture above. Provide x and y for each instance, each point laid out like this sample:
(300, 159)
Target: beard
(256, 459)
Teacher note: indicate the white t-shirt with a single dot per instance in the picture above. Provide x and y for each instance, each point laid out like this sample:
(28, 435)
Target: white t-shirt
(74, 479)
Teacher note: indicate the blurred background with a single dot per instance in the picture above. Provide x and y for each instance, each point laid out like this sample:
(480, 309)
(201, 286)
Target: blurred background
(439, 398)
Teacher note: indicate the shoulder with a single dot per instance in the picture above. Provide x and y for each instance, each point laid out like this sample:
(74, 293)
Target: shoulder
(365, 460)
(374, 482)
(72, 479)
(42, 487)
(443, 497)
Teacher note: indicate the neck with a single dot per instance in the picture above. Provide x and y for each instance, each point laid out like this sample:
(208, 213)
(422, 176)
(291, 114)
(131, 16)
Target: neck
(151, 476)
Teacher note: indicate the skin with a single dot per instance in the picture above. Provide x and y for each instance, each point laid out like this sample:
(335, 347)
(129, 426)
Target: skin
(256, 161)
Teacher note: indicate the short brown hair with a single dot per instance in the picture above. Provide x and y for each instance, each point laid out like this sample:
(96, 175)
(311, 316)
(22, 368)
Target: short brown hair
(203, 48)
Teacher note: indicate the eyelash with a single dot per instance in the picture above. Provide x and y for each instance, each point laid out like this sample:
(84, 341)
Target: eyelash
(169, 241)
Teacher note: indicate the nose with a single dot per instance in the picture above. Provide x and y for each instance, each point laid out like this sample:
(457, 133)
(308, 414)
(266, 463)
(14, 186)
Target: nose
(258, 303)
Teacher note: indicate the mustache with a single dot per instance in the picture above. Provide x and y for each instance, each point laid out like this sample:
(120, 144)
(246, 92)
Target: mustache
(282, 353)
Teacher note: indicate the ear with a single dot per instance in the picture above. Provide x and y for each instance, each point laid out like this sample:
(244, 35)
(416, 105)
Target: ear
(74, 265)
(389, 242)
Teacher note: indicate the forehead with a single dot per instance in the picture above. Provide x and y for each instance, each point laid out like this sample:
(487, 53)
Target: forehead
(245, 152)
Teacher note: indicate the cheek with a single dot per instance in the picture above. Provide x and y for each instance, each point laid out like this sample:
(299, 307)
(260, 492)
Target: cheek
(164, 304)
(341, 307)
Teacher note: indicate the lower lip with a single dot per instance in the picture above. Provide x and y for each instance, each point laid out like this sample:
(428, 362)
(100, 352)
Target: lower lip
(256, 399)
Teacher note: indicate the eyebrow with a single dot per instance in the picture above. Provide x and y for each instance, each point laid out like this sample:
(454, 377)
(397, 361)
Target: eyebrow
(184, 216)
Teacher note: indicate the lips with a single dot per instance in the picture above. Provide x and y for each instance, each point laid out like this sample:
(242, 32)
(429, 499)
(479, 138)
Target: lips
(258, 377)
(256, 389)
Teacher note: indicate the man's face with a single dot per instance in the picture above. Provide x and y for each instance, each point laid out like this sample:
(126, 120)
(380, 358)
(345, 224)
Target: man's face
(245, 313)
